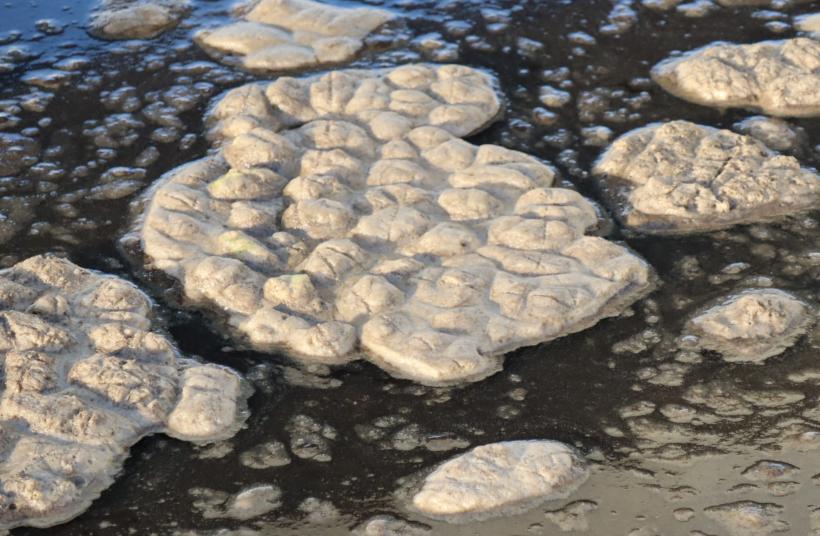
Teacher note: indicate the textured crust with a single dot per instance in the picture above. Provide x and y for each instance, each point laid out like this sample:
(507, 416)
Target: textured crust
(289, 35)
(751, 326)
(499, 479)
(780, 78)
(141, 19)
(680, 177)
(84, 379)
(343, 214)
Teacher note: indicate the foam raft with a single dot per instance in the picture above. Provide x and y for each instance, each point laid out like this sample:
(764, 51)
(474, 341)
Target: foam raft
(497, 479)
(140, 19)
(681, 177)
(779, 78)
(751, 326)
(286, 35)
(85, 378)
(343, 217)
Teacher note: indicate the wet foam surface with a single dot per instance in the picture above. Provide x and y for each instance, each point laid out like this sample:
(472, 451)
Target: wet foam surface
(670, 432)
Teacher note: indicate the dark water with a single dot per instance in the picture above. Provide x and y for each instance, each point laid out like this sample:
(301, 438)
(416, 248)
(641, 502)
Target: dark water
(572, 389)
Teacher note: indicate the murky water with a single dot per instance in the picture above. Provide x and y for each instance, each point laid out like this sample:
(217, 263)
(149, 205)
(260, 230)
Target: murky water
(671, 432)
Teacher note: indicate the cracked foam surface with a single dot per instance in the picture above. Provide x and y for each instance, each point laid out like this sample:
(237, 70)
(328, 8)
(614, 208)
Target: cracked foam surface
(280, 35)
(752, 325)
(780, 78)
(343, 217)
(499, 479)
(680, 177)
(84, 378)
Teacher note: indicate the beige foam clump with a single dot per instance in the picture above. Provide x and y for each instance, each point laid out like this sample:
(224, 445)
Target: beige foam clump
(343, 217)
(499, 479)
(680, 177)
(779, 78)
(774, 133)
(752, 325)
(84, 378)
(141, 19)
(809, 23)
(749, 518)
(386, 525)
(281, 35)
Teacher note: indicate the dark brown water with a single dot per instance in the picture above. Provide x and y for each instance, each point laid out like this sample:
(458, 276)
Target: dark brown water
(124, 99)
